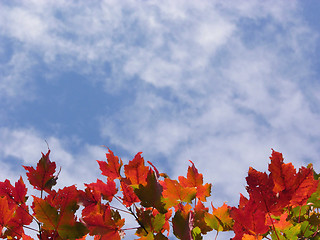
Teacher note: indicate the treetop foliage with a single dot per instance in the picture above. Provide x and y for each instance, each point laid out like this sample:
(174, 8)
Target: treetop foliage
(282, 204)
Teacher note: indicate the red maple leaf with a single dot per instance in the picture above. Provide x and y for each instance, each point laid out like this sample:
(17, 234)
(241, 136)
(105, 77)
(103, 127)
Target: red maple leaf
(89, 199)
(305, 186)
(249, 219)
(260, 188)
(283, 175)
(112, 167)
(129, 196)
(292, 187)
(136, 171)
(42, 177)
(16, 194)
(20, 219)
(107, 190)
(106, 223)
(16, 197)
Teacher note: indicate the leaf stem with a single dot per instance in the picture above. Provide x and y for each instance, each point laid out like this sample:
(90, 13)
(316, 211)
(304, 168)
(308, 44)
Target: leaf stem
(120, 210)
(133, 214)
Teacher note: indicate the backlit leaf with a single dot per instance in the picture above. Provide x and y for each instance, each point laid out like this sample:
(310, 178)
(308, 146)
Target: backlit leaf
(6, 213)
(42, 177)
(220, 219)
(112, 167)
(174, 193)
(248, 220)
(129, 196)
(57, 213)
(107, 190)
(105, 223)
(195, 179)
(136, 171)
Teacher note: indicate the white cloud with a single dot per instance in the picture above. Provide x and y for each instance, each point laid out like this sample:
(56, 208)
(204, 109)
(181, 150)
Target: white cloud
(26, 145)
(216, 82)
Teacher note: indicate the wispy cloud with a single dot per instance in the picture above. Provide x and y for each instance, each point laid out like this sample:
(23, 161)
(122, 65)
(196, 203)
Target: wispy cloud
(216, 82)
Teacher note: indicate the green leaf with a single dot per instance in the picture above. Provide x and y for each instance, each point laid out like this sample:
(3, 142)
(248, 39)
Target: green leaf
(158, 222)
(292, 232)
(196, 233)
(75, 231)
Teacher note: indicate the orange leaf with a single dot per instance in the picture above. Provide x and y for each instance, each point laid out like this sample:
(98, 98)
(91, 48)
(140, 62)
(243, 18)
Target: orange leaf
(281, 224)
(195, 179)
(174, 193)
(136, 171)
(6, 213)
(220, 219)
(251, 237)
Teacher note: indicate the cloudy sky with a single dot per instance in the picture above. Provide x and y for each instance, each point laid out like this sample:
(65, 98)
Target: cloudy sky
(217, 82)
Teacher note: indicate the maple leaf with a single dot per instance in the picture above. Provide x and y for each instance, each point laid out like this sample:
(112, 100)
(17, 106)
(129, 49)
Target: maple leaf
(112, 167)
(260, 188)
(16, 197)
(280, 224)
(183, 225)
(57, 213)
(129, 196)
(106, 223)
(151, 194)
(149, 222)
(305, 186)
(220, 219)
(168, 214)
(16, 194)
(6, 213)
(20, 219)
(42, 177)
(107, 190)
(195, 179)
(136, 171)
(249, 219)
(283, 175)
(174, 193)
(292, 187)
(90, 200)
(199, 218)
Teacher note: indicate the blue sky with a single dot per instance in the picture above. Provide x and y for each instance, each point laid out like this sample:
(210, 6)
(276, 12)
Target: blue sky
(217, 82)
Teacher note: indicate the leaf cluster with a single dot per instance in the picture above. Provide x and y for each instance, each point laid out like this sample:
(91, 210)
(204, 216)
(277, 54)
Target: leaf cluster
(282, 204)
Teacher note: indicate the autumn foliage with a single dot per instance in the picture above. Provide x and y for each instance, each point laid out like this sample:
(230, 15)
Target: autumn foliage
(282, 204)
